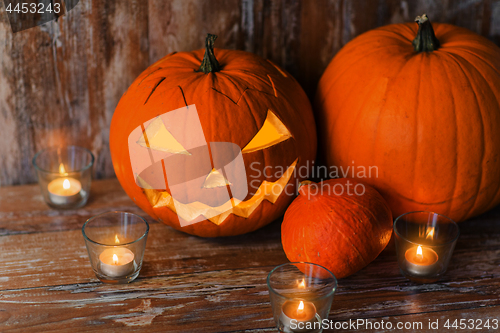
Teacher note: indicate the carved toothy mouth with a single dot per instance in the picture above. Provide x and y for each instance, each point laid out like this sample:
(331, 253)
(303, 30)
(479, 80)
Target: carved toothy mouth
(269, 191)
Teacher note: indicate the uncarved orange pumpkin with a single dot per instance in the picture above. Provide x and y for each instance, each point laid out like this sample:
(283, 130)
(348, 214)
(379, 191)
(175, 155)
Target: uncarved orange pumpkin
(240, 99)
(341, 224)
(425, 115)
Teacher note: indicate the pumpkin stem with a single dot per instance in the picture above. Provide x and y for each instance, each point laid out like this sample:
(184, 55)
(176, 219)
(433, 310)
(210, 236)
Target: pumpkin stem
(209, 63)
(304, 187)
(426, 40)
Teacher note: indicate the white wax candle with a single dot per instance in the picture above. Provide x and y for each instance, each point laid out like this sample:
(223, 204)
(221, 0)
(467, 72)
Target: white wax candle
(116, 262)
(298, 316)
(64, 191)
(421, 261)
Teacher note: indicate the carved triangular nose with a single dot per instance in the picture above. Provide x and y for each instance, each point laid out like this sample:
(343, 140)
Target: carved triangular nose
(215, 179)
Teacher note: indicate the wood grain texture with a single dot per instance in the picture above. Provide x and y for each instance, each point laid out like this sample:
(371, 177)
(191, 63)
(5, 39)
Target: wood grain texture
(60, 82)
(192, 284)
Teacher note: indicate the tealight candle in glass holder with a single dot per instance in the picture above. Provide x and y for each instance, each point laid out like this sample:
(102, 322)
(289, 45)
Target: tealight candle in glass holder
(424, 244)
(64, 175)
(301, 296)
(115, 243)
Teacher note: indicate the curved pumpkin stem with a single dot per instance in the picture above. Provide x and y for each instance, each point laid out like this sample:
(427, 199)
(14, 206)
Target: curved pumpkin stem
(426, 40)
(209, 63)
(304, 189)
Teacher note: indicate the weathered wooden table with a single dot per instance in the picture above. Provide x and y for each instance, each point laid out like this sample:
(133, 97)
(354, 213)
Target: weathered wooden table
(191, 284)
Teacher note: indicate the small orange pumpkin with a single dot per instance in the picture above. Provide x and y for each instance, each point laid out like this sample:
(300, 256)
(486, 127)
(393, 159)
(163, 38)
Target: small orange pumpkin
(341, 224)
(424, 114)
(237, 100)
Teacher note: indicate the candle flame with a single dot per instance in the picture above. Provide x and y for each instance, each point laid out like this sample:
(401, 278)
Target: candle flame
(117, 241)
(430, 233)
(302, 284)
(420, 254)
(66, 184)
(62, 170)
(115, 259)
(301, 306)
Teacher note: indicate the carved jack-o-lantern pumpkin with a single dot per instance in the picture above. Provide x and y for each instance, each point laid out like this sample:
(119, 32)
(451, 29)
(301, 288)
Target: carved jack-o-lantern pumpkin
(213, 150)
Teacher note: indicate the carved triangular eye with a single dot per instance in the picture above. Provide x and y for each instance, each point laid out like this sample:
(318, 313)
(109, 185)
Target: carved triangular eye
(272, 132)
(157, 137)
(215, 179)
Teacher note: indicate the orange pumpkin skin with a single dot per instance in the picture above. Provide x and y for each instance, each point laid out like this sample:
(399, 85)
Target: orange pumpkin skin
(427, 121)
(232, 106)
(343, 233)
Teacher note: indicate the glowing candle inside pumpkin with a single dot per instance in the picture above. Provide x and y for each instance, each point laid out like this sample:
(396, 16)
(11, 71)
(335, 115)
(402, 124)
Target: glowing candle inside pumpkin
(116, 262)
(64, 190)
(421, 261)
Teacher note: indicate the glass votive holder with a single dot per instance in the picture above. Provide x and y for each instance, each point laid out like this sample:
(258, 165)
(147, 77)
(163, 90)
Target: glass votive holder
(301, 296)
(424, 245)
(115, 243)
(64, 175)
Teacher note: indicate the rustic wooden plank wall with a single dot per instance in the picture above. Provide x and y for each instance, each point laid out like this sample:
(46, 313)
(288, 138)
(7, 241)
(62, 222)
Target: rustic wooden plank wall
(60, 83)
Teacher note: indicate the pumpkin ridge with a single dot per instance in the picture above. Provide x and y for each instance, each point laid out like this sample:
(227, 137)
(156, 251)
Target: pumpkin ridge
(341, 218)
(347, 239)
(482, 116)
(434, 202)
(454, 191)
(368, 95)
(363, 208)
(390, 31)
(425, 74)
(333, 123)
(415, 150)
(359, 221)
(159, 61)
(382, 106)
(486, 62)
(353, 91)
(146, 76)
(483, 139)
(481, 188)
(347, 68)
